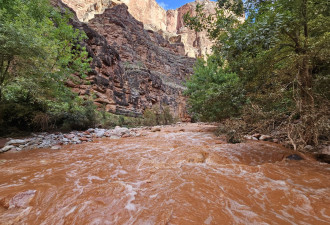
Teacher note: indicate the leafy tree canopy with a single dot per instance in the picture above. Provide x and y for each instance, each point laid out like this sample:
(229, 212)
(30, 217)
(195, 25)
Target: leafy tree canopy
(214, 92)
(280, 53)
(37, 44)
(39, 50)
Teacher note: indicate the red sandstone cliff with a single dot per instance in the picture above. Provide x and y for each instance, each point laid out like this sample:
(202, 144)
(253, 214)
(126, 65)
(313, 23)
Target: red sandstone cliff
(132, 69)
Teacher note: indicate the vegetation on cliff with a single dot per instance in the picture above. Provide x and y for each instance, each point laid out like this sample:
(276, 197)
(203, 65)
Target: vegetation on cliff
(270, 71)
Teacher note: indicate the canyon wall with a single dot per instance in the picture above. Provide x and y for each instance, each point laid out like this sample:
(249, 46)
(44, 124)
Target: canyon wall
(146, 11)
(168, 23)
(132, 68)
(197, 44)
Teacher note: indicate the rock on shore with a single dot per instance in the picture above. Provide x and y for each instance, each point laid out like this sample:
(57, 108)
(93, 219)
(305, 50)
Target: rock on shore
(56, 140)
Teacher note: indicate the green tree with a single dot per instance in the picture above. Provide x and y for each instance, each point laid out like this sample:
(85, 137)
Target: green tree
(36, 42)
(214, 92)
(39, 51)
(279, 52)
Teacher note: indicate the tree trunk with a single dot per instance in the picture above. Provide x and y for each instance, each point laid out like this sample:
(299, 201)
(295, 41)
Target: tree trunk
(305, 80)
(306, 101)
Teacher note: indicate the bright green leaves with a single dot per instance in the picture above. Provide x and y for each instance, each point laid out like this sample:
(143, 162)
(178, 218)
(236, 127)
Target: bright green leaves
(40, 41)
(39, 50)
(214, 92)
(270, 51)
(236, 6)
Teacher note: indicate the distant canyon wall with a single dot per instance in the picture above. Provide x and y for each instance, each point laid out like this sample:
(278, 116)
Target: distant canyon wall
(169, 23)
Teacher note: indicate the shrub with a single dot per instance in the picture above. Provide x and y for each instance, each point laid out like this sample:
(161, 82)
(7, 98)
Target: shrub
(214, 94)
(157, 116)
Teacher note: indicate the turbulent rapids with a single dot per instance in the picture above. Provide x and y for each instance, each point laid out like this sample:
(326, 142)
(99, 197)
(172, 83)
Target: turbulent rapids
(180, 175)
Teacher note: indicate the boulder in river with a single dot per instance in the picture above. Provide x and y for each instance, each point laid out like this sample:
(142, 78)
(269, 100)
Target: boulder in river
(294, 157)
(120, 131)
(22, 200)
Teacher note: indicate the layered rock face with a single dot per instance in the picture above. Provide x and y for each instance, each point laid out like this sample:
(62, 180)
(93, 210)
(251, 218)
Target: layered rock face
(146, 11)
(168, 23)
(196, 44)
(132, 69)
(153, 70)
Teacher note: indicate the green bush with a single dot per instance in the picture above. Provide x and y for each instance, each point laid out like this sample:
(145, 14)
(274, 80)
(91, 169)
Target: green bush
(149, 118)
(214, 93)
(157, 116)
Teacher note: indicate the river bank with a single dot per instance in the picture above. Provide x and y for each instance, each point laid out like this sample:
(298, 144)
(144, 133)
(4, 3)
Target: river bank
(56, 140)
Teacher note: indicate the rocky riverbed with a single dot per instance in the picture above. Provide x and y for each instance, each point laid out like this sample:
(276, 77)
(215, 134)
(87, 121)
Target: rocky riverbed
(57, 140)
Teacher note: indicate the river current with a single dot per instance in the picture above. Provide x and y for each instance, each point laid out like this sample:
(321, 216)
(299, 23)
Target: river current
(180, 175)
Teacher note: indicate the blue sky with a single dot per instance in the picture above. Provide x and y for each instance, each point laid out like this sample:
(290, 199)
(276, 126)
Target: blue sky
(172, 4)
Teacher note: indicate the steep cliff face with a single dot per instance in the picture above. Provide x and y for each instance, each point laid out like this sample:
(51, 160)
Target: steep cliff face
(153, 69)
(132, 69)
(168, 23)
(86, 9)
(146, 11)
(196, 43)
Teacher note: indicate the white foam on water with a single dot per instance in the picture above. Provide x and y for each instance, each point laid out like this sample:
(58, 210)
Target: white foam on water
(78, 188)
(236, 210)
(71, 173)
(131, 193)
(130, 206)
(91, 178)
(208, 220)
(71, 211)
(122, 172)
(153, 196)
(170, 201)
(324, 215)
(99, 221)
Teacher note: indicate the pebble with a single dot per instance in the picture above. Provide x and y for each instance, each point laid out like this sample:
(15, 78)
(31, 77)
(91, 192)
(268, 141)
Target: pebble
(309, 148)
(256, 135)
(259, 137)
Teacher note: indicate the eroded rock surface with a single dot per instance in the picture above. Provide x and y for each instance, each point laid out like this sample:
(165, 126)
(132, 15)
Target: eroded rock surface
(132, 69)
(168, 23)
(86, 9)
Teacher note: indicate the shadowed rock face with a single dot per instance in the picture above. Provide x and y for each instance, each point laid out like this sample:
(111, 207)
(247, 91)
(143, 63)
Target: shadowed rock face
(153, 70)
(132, 69)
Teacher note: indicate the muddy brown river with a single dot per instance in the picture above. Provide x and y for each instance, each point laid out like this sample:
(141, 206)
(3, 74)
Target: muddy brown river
(170, 177)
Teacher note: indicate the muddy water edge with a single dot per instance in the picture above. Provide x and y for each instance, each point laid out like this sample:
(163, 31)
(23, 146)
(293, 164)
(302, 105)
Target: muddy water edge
(180, 175)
